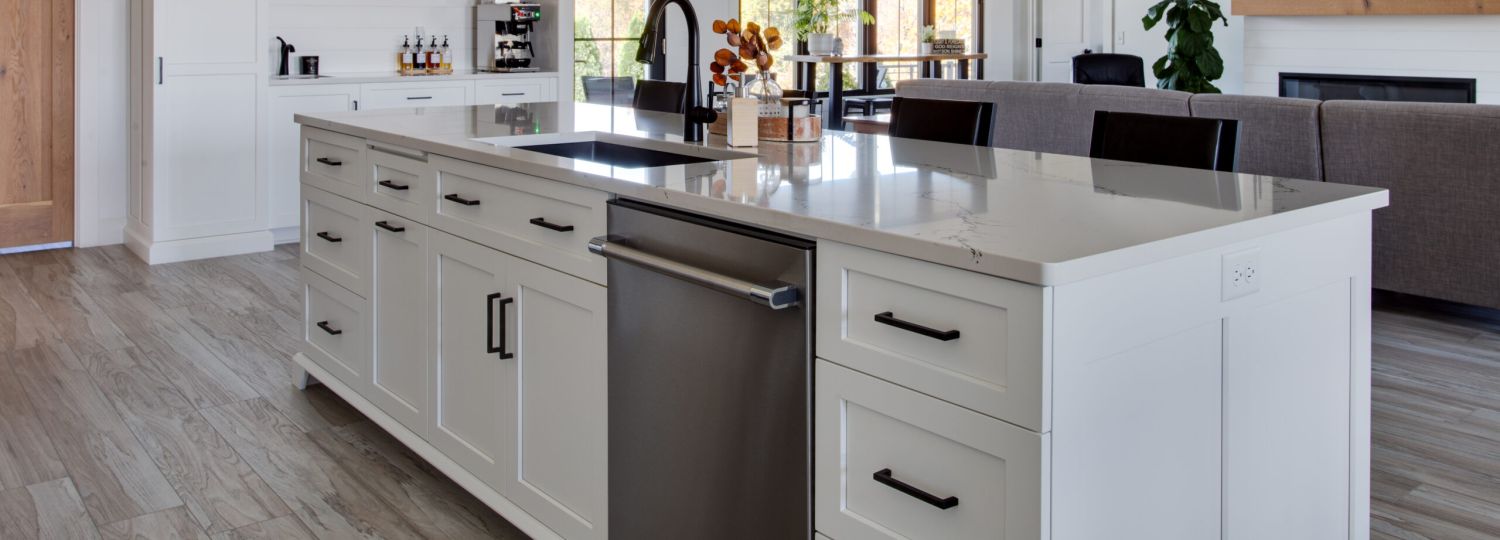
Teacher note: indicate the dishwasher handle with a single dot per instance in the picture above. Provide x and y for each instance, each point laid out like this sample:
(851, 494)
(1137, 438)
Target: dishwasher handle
(778, 296)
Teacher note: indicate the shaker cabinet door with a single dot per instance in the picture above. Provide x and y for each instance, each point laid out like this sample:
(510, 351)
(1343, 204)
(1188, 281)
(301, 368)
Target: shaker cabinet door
(555, 402)
(468, 303)
(398, 280)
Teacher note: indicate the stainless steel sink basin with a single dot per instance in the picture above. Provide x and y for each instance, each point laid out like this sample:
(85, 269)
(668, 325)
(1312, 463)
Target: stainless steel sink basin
(617, 155)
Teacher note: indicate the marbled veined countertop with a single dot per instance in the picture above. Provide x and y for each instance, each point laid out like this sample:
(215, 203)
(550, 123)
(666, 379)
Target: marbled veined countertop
(1045, 219)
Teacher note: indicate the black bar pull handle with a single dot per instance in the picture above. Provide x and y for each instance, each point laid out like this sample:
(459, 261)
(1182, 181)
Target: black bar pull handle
(331, 330)
(460, 200)
(414, 98)
(387, 226)
(542, 222)
(489, 323)
(331, 162)
(392, 185)
(940, 335)
(329, 237)
(884, 476)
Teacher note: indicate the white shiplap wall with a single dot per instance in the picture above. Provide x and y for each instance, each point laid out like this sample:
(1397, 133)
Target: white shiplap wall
(360, 36)
(1466, 46)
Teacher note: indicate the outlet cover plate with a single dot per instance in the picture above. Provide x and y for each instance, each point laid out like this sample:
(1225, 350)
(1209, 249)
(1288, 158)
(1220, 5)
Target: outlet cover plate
(1241, 273)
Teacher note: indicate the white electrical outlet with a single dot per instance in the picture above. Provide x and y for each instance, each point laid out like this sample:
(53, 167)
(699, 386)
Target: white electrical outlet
(1241, 273)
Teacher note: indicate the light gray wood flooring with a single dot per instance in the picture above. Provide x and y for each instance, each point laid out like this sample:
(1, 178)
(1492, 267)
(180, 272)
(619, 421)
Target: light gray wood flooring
(157, 402)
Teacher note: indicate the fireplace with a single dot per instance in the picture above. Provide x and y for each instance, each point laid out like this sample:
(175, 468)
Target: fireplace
(1378, 88)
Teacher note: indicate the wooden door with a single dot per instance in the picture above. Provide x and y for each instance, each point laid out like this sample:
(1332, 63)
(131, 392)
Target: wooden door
(36, 112)
(467, 388)
(398, 281)
(555, 401)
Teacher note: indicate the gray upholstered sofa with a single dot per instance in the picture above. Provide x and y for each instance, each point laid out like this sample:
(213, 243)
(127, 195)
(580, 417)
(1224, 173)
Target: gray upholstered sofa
(1440, 237)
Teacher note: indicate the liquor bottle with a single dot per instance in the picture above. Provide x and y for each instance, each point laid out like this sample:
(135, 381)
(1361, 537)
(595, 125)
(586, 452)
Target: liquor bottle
(403, 60)
(434, 58)
(447, 56)
(419, 59)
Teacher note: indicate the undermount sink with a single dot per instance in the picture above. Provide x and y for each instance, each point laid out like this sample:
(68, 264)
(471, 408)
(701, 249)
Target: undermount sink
(617, 155)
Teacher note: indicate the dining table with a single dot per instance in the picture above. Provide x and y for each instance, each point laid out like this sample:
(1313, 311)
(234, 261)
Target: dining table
(833, 117)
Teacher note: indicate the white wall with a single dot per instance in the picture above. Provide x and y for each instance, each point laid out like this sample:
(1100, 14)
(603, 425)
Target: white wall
(363, 36)
(1466, 46)
(1130, 37)
(102, 121)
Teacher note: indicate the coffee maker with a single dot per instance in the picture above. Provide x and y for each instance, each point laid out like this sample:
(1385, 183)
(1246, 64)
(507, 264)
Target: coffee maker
(502, 37)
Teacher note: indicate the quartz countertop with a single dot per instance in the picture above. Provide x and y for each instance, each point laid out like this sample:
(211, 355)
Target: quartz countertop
(391, 76)
(1045, 219)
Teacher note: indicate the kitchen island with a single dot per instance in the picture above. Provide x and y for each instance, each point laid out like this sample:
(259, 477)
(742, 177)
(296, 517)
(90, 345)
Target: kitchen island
(1085, 349)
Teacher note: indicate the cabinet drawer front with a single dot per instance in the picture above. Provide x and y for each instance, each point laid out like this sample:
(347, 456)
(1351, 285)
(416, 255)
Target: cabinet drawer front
(400, 184)
(335, 240)
(334, 329)
(927, 454)
(333, 161)
(537, 219)
(518, 91)
(418, 95)
(971, 339)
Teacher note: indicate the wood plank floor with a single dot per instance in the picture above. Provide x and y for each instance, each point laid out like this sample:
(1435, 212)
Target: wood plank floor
(157, 402)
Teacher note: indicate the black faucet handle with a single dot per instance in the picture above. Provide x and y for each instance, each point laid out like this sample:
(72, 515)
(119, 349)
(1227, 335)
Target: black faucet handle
(702, 115)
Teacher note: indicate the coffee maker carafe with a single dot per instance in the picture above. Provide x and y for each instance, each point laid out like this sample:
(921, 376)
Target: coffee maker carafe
(502, 37)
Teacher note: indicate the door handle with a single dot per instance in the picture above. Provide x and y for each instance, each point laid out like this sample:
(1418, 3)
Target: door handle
(387, 226)
(161, 71)
(331, 238)
(512, 94)
(884, 476)
(418, 97)
(889, 318)
(778, 296)
(331, 162)
(489, 325)
(331, 330)
(392, 185)
(460, 200)
(542, 222)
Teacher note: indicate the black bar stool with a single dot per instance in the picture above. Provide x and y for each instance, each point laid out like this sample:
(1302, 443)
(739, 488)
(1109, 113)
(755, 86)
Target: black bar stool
(660, 96)
(942, 120)
(1178, 141)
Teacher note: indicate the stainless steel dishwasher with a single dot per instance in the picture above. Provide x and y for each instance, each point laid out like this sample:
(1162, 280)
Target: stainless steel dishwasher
(710, 372)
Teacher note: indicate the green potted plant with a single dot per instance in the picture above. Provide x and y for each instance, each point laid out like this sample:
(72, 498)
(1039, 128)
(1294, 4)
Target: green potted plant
(926, 36)
(815, 21)
(1191, 63)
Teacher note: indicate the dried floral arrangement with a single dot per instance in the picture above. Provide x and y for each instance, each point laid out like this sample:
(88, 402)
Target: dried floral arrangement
(754, 43)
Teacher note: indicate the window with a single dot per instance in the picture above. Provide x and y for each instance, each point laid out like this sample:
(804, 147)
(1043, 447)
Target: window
(768, 14)
(605, 39)
(897, 28)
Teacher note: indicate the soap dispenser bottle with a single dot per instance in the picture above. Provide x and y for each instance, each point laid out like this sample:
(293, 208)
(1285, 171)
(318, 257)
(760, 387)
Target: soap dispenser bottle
(447, 56)
(403, 59)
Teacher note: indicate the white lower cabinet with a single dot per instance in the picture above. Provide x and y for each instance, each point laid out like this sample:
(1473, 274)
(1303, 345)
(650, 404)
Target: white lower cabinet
(467, 287)
(398, 292)
(556, 407)
(335, 329)
(893, 463)
(518, 381)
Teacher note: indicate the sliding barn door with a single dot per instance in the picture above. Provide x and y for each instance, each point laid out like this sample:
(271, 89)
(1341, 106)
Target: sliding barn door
(36, 122)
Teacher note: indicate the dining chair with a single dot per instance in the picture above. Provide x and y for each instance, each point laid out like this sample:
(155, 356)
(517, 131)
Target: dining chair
(1178, 141)
(942, 120)
(609, 90)
(660, 96)
(1110, 69)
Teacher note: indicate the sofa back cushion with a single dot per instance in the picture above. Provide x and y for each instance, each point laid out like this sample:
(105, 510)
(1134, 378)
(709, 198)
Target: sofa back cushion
(1440, 237)
(1278, 136)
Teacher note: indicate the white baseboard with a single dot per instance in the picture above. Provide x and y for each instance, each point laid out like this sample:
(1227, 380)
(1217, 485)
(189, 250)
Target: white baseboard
(487, 495)
(196, 248)
(286, 235)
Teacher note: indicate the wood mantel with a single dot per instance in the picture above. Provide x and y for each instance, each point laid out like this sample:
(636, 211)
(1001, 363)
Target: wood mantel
(1364, 7)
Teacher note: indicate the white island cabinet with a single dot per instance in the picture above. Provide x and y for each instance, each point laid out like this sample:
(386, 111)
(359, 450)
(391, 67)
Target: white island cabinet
(1008, 345)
